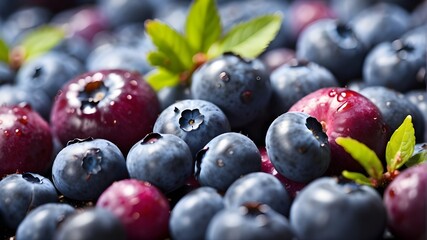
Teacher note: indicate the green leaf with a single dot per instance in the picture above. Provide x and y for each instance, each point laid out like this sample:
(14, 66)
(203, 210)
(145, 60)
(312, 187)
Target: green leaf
(41, 40)
(365, 156)
(249, 39)
(172, 44)
(160, 78)
(203, 25)
(357, 177)
(161, 60)
(4, 51)
(418, 157)
(401, 145)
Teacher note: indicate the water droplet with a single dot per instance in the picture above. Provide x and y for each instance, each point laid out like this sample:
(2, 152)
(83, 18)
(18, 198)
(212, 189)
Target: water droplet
(6, 133)
(134, 83)
(114, 121)
(388, 103)
(23, 119)
(258, 78)
(231, 152)
(220, 163)
(112, 103)
(129, 97)
(341, 96)
(18, 132)
(246, 96)
(332, 93)
(224, 76)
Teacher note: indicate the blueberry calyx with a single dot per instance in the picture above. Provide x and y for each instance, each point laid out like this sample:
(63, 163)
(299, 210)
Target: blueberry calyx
(151, 138)
(79, 140)
(257, 211)
(402, 49)
(37, 72)
(91, 162)
(191, 120)
(317, 129)
(31, 178)
(347, 35)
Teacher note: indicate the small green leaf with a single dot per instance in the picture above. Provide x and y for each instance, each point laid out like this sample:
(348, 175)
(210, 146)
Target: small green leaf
(203, 25)
(161, 60)
(401, 145)
(362, 154)
(160, 78)
(41, 40)
(172, 44)
(418, 157)
(249, 39)
(357, 177)
(4, 51)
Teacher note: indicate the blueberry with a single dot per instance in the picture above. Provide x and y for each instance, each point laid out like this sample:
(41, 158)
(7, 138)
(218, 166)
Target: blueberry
(115, 56)
(419, 99)
(394, 108)
(292, 81)
(250, 221)
(240, 87)
(399, 65)
(226, 158)
(48, 72)
(21, 193)
(334, 45)
(169, 95)
(85, 168)
(7, 75)
(42, 222)
(23, 21)
(191, 215)
(298, 147)
(164, 160)
(380, 23)
(91, 223)
(328, 209)
(348, 9)
(416, 36)
(37, 99)
(194, 121)
(119, 13)
(258, 187)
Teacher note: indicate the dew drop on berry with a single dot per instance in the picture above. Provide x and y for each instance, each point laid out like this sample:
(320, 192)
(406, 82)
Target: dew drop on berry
(332, 93)
(224, 76)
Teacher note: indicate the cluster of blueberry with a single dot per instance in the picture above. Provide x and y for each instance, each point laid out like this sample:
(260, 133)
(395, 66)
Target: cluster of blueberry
(246, 149)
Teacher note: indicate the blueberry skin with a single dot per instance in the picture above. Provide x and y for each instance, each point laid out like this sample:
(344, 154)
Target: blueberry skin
(119, 13)
(163, 160)
(292, 81)
(37, 99)
(334, 45)
(416, 36)
(191, 215)
(297, 146)
(326, 209)
(241, 88)
(380, 23)
(194, 121)
(7, 75)
(226, 158)
(115, 56)
(398, 65)
(83, 169)
(251, 221)
(42, 222)
(258, 187)
(169, 95)
(21, 193)
(48, 72)
(91, 223)
(419, 99)
(394, 108)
